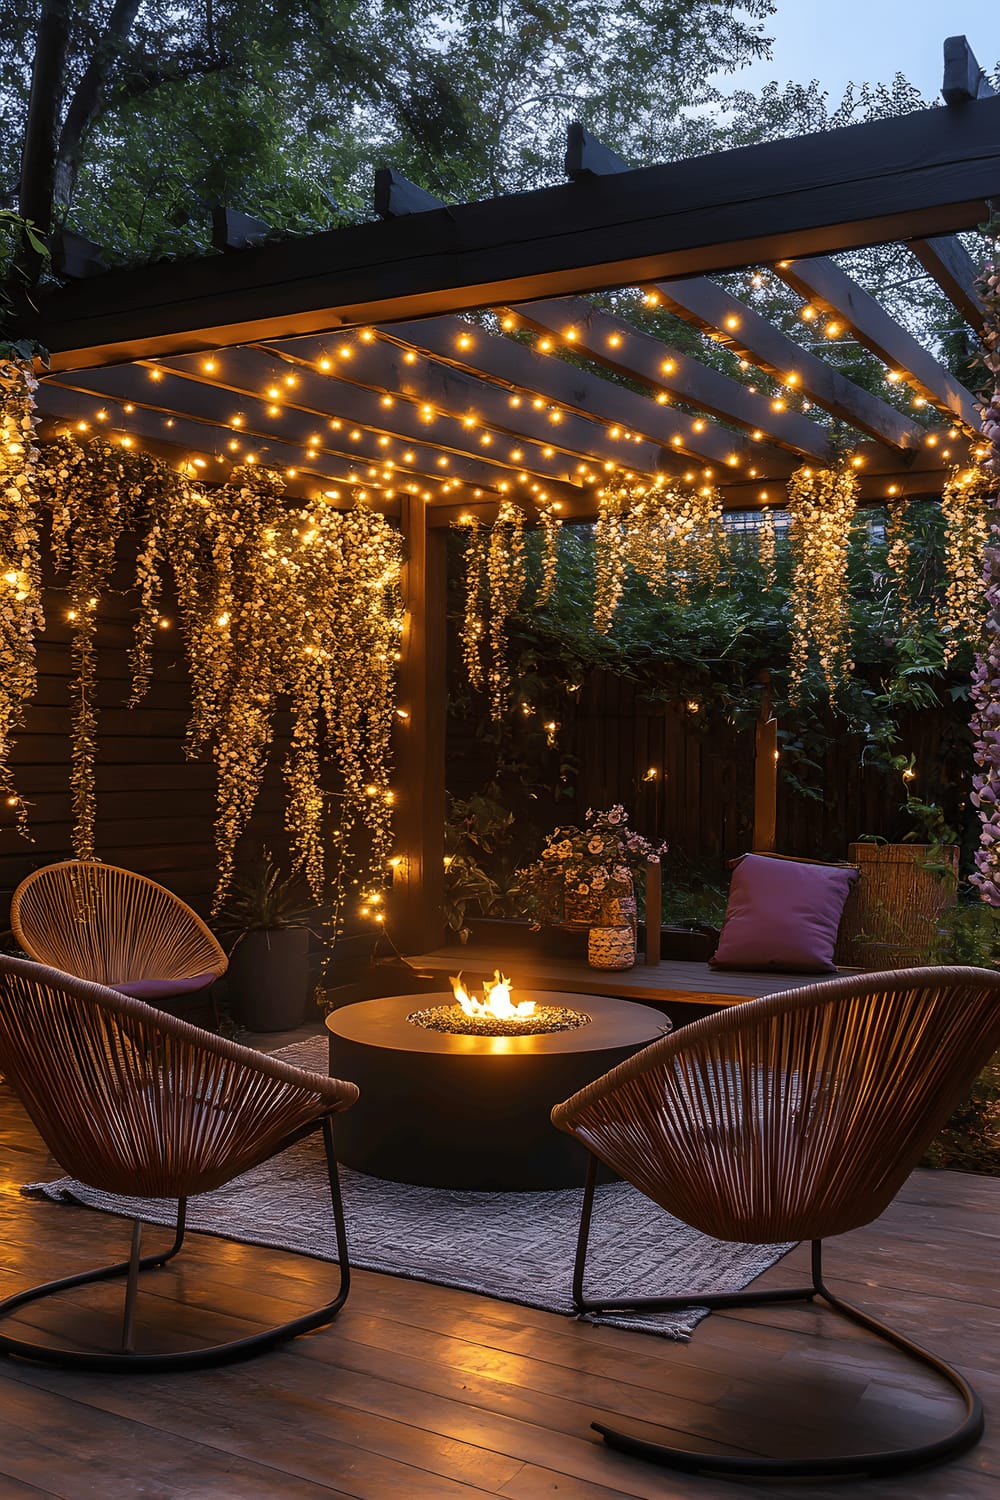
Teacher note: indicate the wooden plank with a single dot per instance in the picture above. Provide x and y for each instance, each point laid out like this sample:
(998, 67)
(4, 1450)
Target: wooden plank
(946, 259)
(417, 899)
(568, 386)
(927, 173)
(622, 347)
(714, 310)
(831, 289)
(453, 389)
(667, 982)
(964, 79)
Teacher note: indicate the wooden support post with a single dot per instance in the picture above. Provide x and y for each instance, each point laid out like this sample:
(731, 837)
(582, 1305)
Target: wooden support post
(654, 911)
(416, 920)
(765, 773)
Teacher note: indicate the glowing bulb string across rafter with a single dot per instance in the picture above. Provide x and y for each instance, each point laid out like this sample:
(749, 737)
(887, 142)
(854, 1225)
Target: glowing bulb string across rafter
(504, 426)
(248, 379)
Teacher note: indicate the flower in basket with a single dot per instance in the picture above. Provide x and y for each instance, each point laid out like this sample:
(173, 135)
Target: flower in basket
(583, 872)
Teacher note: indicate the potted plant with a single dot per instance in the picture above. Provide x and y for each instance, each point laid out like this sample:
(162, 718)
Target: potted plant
(269, 914)
(584, 879)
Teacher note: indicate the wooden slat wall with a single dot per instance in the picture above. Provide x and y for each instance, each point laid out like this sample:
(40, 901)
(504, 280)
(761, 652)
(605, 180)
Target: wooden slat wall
(701, 800)
(155, 809)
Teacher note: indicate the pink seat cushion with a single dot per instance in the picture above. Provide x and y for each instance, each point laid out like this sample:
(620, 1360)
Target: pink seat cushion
(162, 989)
(783, 915)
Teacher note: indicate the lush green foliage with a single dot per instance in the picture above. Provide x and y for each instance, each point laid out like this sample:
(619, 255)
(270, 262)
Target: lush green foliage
(286, 109)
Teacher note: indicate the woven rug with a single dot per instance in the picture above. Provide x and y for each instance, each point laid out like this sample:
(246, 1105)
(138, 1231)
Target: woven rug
(518, 1247)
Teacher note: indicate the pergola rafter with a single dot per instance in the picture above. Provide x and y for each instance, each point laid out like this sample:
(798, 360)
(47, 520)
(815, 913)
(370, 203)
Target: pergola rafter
(830, 289)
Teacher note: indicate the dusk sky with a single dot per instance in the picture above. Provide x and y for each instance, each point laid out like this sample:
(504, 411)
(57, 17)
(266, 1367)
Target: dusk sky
(868, 41)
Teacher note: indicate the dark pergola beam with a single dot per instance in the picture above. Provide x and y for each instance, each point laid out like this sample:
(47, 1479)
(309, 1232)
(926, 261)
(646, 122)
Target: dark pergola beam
(828, 287)
(318, 397)
(187, 439)
(964, 79)
(924, 174)
(504, 359)
(946, 259)
(622, 347)
(381, 365)
(711, 308)
(237, 391)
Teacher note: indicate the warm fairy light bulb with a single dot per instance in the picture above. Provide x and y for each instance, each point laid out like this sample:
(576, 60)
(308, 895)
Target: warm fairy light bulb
(545, 346)
(614, 339)
(409, 357)
(155, 374)
(894, 376)
(515, 400)
(808, 312)
(833, 329)
(324, 363)
(732, 321)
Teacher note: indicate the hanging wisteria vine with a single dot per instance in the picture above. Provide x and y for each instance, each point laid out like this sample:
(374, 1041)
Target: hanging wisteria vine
(671, 537)
(277, 603)
(283, 602)
(985, 720)
(965, 506)
(898, 560)
(21, 615)
(94, 492)
(821, 506)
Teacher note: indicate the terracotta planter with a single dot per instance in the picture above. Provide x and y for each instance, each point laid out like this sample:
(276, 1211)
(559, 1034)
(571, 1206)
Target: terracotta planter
(269, 978)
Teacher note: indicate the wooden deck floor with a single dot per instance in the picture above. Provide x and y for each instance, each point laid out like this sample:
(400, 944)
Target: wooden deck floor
(423, 1393)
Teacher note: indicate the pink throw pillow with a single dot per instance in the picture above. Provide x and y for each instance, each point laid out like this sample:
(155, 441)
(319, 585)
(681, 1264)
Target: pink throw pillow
(783, 915)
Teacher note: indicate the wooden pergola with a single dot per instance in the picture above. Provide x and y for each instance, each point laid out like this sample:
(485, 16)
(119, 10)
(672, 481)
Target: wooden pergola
(448, 357)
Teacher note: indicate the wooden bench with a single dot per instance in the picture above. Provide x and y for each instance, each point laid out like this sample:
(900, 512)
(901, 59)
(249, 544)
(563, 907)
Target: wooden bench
(682, 989)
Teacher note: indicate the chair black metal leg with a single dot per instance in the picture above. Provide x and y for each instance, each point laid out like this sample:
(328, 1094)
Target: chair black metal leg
(623, 1303)
(185, 1359)
(883, 1462)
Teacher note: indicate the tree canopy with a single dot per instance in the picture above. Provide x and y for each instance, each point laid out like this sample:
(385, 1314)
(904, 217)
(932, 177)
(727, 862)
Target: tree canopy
(165, 108)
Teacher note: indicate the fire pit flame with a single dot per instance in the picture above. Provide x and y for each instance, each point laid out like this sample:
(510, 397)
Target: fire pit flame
(496, 1003)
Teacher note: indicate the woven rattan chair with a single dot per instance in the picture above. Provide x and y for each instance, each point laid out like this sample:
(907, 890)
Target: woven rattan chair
(132, 1101)
(99, 922)
(793, 1117)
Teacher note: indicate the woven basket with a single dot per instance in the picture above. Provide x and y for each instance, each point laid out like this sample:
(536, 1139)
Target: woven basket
(611, 948)
(581, 912)
(892, 914)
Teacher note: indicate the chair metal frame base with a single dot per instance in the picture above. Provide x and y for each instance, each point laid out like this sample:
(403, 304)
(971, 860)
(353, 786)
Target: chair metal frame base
(887, 1461)
(185, 1359)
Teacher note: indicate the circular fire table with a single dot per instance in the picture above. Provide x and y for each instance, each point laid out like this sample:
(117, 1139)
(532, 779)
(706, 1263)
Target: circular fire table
(446, 1110)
